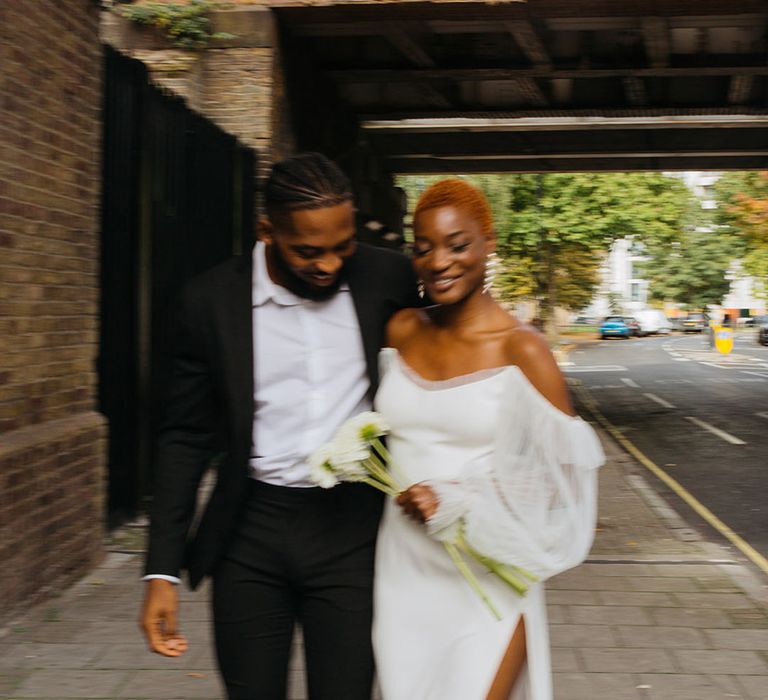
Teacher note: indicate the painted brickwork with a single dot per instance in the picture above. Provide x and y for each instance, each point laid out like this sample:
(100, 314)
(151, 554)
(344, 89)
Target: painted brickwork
(51, 439)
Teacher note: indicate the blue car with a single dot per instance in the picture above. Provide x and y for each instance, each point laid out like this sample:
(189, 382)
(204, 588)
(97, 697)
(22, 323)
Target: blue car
(615, 327)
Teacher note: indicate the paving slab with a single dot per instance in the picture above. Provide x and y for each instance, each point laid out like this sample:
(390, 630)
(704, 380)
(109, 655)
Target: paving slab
(686, 687)
(591, 686)
(726, 661)
(659, 637)
(628, 661)
(78, 683)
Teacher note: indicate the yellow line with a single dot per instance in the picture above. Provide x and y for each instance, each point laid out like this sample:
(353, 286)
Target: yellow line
(750, 552)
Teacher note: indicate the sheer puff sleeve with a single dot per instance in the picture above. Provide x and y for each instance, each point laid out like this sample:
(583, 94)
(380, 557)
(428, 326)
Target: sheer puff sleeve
(535, 505)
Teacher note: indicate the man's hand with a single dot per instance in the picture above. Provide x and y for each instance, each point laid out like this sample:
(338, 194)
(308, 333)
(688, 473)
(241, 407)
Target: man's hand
(419, 501)
(158, 618)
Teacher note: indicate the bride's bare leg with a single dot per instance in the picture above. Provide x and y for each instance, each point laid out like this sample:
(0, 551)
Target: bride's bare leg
(511, 665)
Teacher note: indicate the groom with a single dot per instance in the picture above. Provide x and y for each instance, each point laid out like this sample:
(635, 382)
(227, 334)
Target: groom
(272, 354)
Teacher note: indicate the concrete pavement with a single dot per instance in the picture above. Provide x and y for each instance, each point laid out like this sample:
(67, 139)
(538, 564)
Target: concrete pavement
(656, 613)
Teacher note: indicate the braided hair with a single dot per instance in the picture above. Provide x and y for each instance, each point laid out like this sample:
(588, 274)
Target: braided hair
(305, 181)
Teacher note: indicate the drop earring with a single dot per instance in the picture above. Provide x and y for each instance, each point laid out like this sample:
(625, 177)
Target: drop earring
(491, 268)
(420, 289)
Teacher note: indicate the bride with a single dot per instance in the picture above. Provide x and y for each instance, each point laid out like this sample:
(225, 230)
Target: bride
(482, 425)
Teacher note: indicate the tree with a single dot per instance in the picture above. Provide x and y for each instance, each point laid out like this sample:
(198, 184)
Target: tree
(691, 266)
(614, 303)
(692, 270)
(743, 212)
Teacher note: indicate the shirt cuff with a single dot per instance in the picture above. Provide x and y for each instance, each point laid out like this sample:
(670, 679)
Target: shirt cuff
(452, 505)
(164, 577)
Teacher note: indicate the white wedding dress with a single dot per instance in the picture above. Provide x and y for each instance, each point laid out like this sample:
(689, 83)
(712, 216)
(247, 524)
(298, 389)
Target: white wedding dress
(521, 476)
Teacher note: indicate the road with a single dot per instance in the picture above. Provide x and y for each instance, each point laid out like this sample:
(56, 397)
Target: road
(699, 415)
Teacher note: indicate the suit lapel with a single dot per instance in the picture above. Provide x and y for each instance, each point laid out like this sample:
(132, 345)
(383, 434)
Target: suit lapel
(238, 355)
(366, 307)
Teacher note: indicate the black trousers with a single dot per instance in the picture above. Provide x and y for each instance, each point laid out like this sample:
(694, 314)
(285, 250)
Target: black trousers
(298, 555)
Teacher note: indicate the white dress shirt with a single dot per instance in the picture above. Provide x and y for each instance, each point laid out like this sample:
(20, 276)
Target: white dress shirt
(309, 375)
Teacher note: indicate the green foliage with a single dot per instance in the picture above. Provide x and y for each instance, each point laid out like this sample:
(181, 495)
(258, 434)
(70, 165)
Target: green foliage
(743, 212)
(614, 303)
(692, 270)
(688, 264)
(186, 24)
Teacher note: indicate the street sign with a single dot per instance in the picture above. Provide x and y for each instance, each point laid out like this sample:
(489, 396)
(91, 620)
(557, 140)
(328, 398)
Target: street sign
(723, 339)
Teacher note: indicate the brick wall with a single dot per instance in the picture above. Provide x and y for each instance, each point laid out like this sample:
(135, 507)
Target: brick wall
(51, 438)
(238, 93)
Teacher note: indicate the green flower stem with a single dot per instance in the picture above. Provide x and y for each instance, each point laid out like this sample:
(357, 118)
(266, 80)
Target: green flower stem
(526, 574)
(386, 458)
(471, 579)
(378, 485)
(379, 472)
(504, 573)
(507, 573)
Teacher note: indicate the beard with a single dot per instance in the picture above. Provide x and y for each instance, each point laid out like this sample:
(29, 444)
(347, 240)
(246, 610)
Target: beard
(298, 285)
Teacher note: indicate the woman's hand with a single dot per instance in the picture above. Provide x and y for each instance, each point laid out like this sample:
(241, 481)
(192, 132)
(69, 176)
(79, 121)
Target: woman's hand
(419, 501)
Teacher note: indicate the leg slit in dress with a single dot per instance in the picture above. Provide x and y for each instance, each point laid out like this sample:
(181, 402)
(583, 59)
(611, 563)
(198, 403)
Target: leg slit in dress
(512, 669)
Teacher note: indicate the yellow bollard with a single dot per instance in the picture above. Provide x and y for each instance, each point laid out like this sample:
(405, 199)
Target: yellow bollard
(723, 339)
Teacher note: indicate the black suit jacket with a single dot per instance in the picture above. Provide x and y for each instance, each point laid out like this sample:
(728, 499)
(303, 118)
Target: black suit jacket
(210, 410)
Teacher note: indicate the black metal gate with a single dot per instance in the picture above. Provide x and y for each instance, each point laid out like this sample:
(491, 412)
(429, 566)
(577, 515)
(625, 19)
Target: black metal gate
(177, 199)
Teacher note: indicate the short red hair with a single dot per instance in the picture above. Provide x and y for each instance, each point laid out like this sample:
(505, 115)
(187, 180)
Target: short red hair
(457, 193)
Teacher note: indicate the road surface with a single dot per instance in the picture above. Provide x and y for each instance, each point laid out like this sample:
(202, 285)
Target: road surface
(701, 416)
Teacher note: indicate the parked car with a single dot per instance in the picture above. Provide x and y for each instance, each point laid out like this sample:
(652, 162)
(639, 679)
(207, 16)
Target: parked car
(696, 322)
(634, 326)
(762, 329)
(653, 321)
(614, 327)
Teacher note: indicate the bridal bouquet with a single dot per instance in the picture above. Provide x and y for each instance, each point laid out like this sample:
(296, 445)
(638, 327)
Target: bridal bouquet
(357, 453)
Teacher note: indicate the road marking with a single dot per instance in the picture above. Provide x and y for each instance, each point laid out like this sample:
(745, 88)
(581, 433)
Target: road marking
(709, 356)
(750, 552)
(597, 368)
(764, 414)
(716, 431)
(659, 400)
(630, 382)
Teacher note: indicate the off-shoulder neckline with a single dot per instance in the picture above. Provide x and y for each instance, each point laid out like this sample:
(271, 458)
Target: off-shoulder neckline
(465, 379)
(470, 378)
